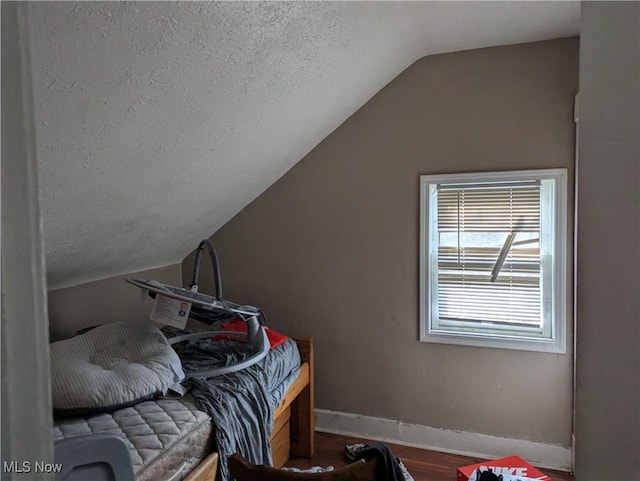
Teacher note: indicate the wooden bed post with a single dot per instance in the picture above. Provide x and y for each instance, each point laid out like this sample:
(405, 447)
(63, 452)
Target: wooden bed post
(302, 408)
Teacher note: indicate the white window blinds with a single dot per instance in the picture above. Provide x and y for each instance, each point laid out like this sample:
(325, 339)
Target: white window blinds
(488, 252)
(493, 250)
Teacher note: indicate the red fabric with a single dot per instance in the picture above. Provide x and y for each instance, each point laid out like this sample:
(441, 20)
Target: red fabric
(238, 325)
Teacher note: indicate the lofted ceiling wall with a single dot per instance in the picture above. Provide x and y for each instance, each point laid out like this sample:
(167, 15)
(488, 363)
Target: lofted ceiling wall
(157, 122)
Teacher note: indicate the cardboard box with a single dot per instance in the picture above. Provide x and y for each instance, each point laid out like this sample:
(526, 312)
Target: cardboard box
(513, 466)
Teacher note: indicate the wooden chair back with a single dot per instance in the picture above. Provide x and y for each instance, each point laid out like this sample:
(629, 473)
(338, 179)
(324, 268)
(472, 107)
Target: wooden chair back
(242, 470)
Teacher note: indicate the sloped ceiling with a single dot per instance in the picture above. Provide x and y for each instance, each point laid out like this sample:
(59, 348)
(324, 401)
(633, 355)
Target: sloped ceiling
(157, 122)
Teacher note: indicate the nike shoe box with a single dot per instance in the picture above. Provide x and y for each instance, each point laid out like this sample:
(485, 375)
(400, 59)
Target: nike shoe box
(513, 468)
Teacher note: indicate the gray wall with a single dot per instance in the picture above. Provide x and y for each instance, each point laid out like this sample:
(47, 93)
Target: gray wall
(608, 302)
(331, 249)
(103, 301)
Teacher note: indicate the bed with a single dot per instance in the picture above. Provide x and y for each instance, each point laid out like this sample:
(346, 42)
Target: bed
(172, 439)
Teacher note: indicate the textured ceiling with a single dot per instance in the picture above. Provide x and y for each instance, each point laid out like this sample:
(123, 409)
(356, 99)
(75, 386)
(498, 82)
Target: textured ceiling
(158, 122)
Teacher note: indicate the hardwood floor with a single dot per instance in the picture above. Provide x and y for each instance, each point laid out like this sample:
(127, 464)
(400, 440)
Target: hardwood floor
(422, 464)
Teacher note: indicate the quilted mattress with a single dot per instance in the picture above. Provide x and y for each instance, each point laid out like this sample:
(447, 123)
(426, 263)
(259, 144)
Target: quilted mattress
(174, 428)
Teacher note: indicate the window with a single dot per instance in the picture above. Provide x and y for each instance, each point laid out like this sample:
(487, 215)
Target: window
(493, 259)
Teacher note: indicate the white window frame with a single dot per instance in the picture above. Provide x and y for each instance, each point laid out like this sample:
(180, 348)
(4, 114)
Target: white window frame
(554, 338)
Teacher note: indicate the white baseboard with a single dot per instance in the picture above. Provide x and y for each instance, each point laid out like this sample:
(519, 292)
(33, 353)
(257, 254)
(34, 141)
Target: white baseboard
(457, 442)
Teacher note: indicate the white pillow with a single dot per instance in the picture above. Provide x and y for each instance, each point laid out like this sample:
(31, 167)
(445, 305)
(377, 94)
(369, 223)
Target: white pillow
(110, 367)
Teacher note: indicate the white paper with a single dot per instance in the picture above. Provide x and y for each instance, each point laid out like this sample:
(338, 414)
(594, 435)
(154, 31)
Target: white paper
(171, 312)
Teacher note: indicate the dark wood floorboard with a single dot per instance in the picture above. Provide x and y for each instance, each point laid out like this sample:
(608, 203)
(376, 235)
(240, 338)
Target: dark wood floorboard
(422, 464)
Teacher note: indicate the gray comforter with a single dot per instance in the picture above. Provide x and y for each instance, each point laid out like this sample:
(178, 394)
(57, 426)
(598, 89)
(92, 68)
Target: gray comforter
(241, 404)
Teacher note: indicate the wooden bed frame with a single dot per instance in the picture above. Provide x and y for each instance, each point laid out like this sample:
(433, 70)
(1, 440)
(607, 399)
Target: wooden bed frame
(293, 424)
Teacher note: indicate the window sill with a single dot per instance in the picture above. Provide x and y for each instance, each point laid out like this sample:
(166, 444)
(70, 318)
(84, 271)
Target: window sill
(554, 346)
